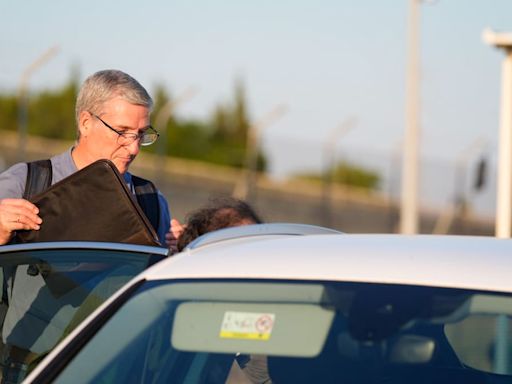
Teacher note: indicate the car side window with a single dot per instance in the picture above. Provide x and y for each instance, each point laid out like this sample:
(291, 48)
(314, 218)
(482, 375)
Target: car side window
(47, 293)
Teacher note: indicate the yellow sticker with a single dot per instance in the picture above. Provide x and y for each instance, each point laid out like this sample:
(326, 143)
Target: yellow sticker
(247, 325)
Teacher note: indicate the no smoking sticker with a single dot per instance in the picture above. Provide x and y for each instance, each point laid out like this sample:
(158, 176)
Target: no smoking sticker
(247, 325)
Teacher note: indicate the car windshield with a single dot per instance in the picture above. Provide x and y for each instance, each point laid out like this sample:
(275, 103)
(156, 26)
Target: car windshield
(46, 293)
(299, 332)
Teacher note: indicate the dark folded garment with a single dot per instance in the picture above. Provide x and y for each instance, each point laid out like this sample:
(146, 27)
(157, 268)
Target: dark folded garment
(93, 204)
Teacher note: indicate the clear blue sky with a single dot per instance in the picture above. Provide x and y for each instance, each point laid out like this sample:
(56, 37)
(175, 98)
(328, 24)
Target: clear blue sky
(326, 59)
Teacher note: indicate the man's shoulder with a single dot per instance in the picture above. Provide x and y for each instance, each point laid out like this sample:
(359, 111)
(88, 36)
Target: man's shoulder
(12, 181)
(63, 157)
(63, 166)
(15, 169)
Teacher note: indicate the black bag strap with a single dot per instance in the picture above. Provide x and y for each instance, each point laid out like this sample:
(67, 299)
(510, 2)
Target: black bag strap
(147, 197)
(39, 177)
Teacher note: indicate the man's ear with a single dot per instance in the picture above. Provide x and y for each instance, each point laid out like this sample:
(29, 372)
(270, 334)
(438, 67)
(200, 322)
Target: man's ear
(84, 123)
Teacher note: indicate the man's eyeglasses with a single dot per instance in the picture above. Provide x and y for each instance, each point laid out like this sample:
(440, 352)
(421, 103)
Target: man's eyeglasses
(148, 137)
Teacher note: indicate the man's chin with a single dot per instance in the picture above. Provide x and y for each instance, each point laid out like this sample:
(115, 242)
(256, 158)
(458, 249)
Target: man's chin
(122, 166)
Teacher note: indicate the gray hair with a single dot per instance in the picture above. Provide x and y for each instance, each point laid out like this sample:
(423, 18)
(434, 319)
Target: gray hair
(105, 85)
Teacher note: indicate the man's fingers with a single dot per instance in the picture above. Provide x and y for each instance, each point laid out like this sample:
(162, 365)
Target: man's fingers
(20, 203)
(23, 226)
(33, 217)
(175, 223)
(171, 237)
(27, 217)
(16, 214)
(176, 228)
(21, 221)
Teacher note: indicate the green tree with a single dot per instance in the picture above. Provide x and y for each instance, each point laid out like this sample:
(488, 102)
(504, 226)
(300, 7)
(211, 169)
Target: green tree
(357, 176)
(52, 113)
(240, 116)
(8, 112)
(346, 174)
(230, 127)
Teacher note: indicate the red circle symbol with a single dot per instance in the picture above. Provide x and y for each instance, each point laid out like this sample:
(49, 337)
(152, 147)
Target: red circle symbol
(264, 324)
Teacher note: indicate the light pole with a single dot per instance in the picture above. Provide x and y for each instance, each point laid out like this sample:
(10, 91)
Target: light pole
(409, 216)
(23, 98)
(410, 161)
(504, 188)
(329, 154)
(244, 189)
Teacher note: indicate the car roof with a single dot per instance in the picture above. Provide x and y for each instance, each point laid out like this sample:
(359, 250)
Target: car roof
(482, 263)
(248, 232)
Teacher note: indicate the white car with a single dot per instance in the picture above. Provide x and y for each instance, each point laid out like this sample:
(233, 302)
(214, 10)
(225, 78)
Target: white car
(258, 304)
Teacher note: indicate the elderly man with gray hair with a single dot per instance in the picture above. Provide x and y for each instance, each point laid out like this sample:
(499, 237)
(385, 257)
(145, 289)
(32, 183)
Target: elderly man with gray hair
(112, 118)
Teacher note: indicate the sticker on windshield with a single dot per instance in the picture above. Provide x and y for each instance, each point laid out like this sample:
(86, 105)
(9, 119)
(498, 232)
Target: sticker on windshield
(247, 325)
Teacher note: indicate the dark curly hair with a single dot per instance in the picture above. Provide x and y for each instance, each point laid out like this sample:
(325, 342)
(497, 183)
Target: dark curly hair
(219, 213)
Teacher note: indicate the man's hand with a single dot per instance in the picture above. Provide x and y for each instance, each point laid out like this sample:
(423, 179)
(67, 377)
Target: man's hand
(171, 238)
(15, 215)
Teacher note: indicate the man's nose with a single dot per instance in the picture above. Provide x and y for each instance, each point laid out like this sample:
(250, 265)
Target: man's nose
(134, 147)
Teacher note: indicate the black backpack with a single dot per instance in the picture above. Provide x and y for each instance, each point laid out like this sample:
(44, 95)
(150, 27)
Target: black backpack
(39, 178)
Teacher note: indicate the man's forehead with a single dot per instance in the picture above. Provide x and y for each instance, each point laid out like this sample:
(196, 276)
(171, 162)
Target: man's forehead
(118, 104)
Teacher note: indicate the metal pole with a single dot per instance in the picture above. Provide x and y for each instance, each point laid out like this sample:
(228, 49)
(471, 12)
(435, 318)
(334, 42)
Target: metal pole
(23, 98)
(504, 189)
(410, 162)
(503, 200)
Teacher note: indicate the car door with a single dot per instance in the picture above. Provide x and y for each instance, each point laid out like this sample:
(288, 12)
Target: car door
(49, 288)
